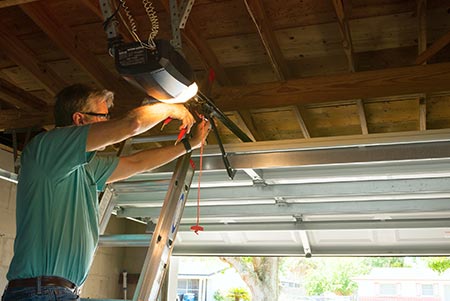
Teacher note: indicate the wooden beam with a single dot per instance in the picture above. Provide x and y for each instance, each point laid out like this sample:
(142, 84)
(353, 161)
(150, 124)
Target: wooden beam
(11, 119)
(421, 25)
(362, 116)
(242, 124)
(344, 28)
(19, 98)
(17, 51)
(257, 13)
(301, 121)
(94, 6)
(67, 40)
(433, 49)
(7, 3)
(199, 44)
(423, 113)
(246, 117)
(358, 85)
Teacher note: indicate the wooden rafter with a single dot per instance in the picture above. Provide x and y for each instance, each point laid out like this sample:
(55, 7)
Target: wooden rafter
(422, 25)
(20, 98)
(344, 28)
(257, 13)
(358, 85)
(299, 112)
(362, 116)
(422, 113)
(246, 117)
(67, 40)
(421, 47)
(199, 44)
(94, 6)
(17, 51)
(433, 49)
(242, 124)
(10, 119)
(6, 3)
(191, 34)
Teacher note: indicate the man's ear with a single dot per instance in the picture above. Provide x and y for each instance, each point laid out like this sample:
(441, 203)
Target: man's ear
(77, 118)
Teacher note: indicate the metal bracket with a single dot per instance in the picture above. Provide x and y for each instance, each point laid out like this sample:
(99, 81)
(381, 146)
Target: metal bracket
(110, 20)
(178, 18)
(256, 176)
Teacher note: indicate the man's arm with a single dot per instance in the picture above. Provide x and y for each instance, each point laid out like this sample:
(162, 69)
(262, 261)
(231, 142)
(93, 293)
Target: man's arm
(137, 121)
(153, 158)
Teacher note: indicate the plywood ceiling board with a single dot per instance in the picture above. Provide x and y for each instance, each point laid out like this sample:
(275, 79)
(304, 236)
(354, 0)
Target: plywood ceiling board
(222, 19)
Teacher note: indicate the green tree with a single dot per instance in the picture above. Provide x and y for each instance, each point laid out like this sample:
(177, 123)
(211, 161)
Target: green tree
(438, 264)
(385, 262)
(334, 275)
(259, 273)
(238, 294)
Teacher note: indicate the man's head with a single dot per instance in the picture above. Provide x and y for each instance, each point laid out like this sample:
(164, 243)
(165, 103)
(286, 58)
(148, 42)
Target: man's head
(79, 104)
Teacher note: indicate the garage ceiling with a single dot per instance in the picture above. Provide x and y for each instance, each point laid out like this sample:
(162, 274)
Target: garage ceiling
(347, 104)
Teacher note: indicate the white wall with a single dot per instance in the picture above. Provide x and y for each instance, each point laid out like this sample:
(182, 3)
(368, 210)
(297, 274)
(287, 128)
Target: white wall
(7, 217)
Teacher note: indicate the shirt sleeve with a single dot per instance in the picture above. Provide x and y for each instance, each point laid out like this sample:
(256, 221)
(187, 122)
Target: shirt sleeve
(61, 151)
(101, 168)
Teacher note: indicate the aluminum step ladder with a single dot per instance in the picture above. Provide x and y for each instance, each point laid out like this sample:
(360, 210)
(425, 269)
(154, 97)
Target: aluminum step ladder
(161, 246)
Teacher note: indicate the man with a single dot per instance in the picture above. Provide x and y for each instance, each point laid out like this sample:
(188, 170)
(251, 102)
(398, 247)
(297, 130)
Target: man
(57, 206)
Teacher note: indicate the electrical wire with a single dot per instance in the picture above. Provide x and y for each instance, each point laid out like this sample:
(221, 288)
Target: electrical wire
(132, 28)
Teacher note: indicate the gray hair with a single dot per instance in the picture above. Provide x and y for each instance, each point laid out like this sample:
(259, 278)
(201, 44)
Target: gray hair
(78, 98)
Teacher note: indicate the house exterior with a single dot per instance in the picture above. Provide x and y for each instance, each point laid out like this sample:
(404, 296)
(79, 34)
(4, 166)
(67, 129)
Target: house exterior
(403, 284)
(199, 279)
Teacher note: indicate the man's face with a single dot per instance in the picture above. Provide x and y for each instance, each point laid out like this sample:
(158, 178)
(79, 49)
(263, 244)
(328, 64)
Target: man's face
(98, 112)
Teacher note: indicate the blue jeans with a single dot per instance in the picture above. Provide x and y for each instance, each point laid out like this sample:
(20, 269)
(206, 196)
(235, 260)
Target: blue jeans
(47, 293)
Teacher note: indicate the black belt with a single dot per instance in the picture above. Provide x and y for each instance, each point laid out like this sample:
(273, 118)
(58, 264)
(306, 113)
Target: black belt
(42, 281)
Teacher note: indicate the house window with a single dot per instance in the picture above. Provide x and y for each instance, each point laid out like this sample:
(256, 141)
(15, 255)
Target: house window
(188, 289)
(388, 289)
(427, 290)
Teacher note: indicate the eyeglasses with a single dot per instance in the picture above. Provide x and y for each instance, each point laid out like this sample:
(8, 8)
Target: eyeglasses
(102, 115)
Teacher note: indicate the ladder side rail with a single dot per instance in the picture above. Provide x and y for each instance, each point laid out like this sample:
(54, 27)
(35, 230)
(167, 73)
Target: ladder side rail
(163, 238)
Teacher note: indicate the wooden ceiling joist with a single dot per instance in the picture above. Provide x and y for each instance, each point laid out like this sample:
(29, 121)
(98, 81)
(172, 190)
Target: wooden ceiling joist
(344, 28)
(17, 51)
(6, 3)
(192, 34)
(358, 85)
(301, 121)
(67, 40)
(246, 117)
(423, 113)
(11, 119)
(433, 49)
(422, 25)
(20, 98)
(362, 116)
(94, 6)
(257, 13)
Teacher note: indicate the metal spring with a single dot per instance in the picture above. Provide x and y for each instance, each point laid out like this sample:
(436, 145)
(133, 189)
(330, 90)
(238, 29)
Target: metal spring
(151, 13)
(133, 25)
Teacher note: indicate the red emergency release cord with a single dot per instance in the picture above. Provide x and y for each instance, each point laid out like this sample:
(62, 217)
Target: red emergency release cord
(197, 226)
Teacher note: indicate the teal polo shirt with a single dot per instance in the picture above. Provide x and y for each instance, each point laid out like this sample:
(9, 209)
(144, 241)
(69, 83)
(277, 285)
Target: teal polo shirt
(57, 205)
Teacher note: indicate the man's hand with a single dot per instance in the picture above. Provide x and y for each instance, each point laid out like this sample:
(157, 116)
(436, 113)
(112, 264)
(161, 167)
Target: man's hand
(179, 111)
(200, 134)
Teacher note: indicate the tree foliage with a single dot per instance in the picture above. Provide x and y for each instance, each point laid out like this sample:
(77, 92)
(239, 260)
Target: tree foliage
(438, 264)
(334, 276)
(233, 294)
(259, 273)
(318, 275)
